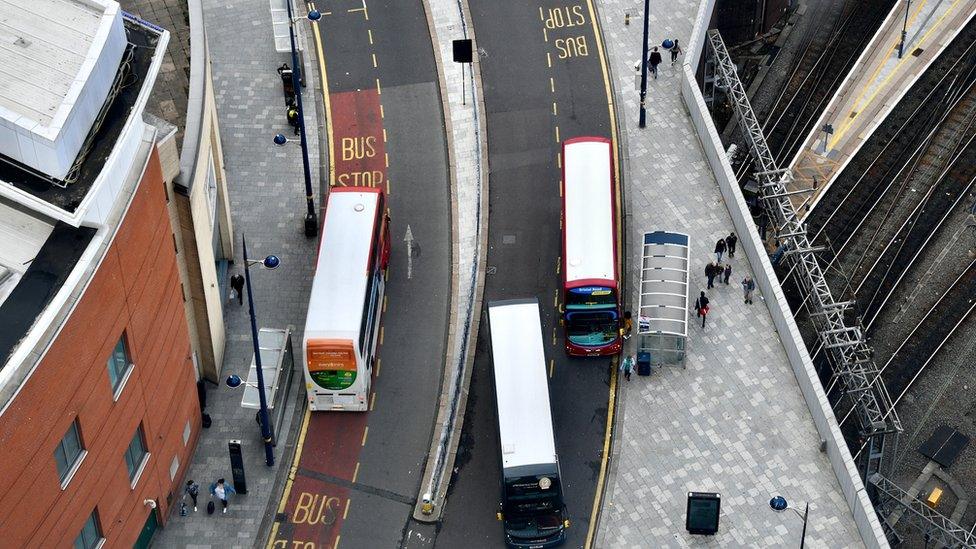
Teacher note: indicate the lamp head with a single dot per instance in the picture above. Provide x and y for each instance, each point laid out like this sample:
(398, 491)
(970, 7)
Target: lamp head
(280, 139)
(233, 381)
(271, 262)
(778, 503)
(314, 15)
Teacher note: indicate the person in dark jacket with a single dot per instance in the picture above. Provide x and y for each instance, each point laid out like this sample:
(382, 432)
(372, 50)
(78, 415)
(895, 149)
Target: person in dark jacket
(730, 242)
(701, 305)
(193, 490)
(719, 249)
(237, 284)
(655, 60)
(727, 273)
(675, 52)
(748, 286)
(711, 271)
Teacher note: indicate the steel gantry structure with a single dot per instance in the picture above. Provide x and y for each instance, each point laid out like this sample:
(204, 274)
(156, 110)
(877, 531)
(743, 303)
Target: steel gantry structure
(935, 527)
(851, 356)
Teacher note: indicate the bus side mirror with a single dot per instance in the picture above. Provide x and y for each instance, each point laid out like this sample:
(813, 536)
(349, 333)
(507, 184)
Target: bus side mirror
(499, 516)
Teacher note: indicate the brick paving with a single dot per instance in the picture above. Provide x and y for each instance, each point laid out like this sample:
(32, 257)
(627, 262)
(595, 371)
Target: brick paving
(734, 421)
(265, 184)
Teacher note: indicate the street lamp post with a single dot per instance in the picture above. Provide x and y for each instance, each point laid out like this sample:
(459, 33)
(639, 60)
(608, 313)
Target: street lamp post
(779, 504)
(904, 29)
(311, 219)
(269, 262)
(643, 91)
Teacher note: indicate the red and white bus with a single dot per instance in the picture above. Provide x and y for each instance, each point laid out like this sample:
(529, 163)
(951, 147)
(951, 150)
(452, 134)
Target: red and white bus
(590, 290)
(342, 327)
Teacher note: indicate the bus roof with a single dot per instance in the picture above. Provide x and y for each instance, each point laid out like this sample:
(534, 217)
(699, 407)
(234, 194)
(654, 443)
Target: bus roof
(588, 205)
(336, 304)
(521, 386)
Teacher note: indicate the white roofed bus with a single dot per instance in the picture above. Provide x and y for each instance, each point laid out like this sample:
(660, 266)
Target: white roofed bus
(532, 498)
(590, 289)
(346, 302)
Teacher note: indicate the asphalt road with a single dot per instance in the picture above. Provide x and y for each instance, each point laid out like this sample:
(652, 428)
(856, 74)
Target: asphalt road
(359, 474)
(535, 99)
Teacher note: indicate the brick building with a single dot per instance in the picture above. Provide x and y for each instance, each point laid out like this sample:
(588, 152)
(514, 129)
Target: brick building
(99, 411)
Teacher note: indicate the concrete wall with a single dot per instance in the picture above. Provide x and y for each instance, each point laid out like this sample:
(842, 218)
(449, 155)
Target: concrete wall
(806, 376)
(135, 290)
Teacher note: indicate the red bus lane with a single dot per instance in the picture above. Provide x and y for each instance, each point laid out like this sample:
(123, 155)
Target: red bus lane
(328, 458)
(359, 146)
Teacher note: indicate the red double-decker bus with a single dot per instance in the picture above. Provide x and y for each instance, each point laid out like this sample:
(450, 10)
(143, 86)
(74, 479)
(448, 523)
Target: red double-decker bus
(590, 290)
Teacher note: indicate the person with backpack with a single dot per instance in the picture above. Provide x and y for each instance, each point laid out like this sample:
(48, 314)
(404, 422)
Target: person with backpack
(192, 489)
(701, 305)
(675, 52)
(221, 491)
(748, 286)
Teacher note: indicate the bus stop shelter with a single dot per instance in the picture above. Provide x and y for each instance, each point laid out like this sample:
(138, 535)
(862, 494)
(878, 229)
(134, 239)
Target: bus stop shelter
(277, 365)
(662, 317)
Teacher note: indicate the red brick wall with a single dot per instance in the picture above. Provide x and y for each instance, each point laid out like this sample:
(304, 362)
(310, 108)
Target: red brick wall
(136, 289)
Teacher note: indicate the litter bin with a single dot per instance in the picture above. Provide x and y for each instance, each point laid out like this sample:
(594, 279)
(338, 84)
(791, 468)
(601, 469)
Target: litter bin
(643, 364)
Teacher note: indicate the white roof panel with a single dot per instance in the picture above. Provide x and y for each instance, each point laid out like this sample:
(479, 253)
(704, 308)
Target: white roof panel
(663, 306)
(588, 202)
(336, 303)
(521, 386)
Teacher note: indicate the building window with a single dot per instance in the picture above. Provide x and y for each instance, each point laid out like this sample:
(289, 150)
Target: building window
(90, 534)
(135, 455)
(68, 454)
(119, 364)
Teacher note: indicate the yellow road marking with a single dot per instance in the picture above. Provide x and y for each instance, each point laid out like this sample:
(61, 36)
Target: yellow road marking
(555, 298)
(387, 186)
(554, 336)
(552, 85)
(365, 434)
(382, 114)
(385, 299)
(381, 335)
(552, 367)
(557, 134)
(384, 135)
(545, 34)
(541, 17)
(355, 473)
(336, 544)
(374, 60)
(346, 512)
(378, 367)
(549, 59)
(559, 159)
(379, 91)
(554, 110)
(283, 503)
(325, 98)
(559, 264)
(601, 479)
(372, 401)
(370, 32)
(560, 196)
(386, 156)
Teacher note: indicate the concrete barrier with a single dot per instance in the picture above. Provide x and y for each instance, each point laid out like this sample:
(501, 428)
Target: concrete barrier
(806, 376)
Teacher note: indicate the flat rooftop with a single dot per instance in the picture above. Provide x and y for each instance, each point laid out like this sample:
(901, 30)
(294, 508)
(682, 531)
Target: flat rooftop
(43, 45)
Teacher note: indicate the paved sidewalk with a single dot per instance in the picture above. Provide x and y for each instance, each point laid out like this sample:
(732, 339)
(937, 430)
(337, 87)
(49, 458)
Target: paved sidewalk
(875, 85)
(268, 205)
(734, 421)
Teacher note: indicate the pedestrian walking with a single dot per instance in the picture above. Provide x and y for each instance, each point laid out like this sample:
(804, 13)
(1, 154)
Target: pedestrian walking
(655, 61)
(701, 305)
(675, 52)
(727, 273)
(719, 249)
(711, 271)
(222, 491)
(237, 285)
(192, 489)
(748, 286)
(628, 324)
(730, 242)
(627, 366)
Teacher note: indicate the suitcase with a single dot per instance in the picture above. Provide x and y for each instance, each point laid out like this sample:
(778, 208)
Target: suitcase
(211, 507)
